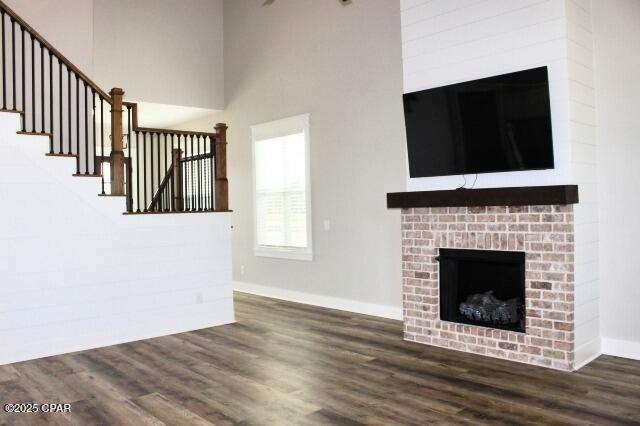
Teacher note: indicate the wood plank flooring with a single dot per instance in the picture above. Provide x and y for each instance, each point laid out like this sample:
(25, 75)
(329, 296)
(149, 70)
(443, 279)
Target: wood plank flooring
(290, 364)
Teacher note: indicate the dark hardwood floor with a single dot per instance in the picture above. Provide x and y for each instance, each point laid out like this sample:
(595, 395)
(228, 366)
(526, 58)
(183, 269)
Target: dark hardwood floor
(289, 364)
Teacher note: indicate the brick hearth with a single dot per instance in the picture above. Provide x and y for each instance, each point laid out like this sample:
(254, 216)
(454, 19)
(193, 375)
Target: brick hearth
(544, 233)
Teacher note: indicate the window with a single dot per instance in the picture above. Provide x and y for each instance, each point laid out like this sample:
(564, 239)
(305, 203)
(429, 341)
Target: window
(281, 188)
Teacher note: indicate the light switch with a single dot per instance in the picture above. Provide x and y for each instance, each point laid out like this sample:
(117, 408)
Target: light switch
(327, 225)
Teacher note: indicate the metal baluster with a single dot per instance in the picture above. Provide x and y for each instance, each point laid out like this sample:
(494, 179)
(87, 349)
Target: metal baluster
(167, 158)
(77, 124)
(144, 164)
(172, 166)
(163, 160)
(210, 201)
(193, 201)
(151, 169)
(170, 193)
(129, 187)
(199, 171)
(137, 174)
(102, 140)
(24, 108)
(33, 86)
(13, 63)
(41, 87)
(161, 175)
(51, 101)
(166, 165)
(159, 207)
(61, 147)
(185, 181)
(170, 158)
(171, 197)
(185, 193)
(129, 131)
(211, 171)
(69, 108)
(205, 193)
(95, 140)
(159, 170)
(86, 131)
(4, 68)
(179, 147)
(203, 171)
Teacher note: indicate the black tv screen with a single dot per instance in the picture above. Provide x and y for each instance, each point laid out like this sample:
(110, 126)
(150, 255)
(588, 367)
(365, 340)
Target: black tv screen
(494, 124)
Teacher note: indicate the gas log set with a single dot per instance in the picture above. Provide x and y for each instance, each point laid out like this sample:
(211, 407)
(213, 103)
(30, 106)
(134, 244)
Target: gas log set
(485, 307)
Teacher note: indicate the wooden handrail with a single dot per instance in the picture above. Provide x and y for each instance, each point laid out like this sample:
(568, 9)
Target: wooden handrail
(14, 16)
(197, 157)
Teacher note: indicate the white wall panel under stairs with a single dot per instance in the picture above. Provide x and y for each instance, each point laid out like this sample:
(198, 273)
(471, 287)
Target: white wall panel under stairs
(75, 273)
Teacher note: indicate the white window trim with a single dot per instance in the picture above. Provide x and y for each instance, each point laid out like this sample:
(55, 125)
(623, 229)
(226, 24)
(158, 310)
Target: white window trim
(270, 130)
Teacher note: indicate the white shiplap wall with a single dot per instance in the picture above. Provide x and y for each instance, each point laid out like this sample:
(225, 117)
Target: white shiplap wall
(75, 273)
(582, 122)
(449, 41)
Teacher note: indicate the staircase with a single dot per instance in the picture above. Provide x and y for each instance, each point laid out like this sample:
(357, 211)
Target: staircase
(76, 273)
(100, 131)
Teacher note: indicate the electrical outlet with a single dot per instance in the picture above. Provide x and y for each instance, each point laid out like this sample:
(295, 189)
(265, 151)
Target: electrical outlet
(327, 225)
(241, 269)
(199, 298)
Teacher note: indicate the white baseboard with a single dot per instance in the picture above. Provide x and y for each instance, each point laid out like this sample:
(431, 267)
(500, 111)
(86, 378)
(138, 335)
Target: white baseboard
(383, 311)
(586, 353)
(621, 348)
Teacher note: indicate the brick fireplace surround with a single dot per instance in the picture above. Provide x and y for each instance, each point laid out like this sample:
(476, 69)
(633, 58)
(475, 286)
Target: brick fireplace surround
(544, 232)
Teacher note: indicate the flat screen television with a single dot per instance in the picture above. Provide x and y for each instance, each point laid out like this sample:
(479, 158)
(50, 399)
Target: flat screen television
(495, 124)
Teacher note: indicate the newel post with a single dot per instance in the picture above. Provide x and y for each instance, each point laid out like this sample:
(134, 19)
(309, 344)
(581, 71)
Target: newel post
(117, 153)
(178, 198)
(222, 184)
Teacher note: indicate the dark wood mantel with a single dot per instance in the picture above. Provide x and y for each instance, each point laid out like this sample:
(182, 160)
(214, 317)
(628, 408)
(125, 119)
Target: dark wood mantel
(516, 196)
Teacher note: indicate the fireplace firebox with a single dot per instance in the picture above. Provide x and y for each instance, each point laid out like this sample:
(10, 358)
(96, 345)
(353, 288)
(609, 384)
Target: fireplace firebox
(483, 287)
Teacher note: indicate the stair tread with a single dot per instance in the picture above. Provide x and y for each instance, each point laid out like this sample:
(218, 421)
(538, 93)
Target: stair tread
(34, 133)
(14, 111)
(87, 175)
(61, 155)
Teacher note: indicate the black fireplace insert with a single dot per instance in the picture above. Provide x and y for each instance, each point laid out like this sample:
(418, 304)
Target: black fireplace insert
(483, 287)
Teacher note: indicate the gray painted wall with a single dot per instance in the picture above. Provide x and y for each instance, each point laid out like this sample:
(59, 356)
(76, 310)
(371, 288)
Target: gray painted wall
(343, 66)
(616, 31)
(161, 51)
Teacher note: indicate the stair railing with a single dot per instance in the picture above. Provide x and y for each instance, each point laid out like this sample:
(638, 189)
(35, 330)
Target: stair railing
(55, 98)
(175, 170)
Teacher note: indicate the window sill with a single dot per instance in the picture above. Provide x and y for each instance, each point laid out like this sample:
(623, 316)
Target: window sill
(283, 253)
